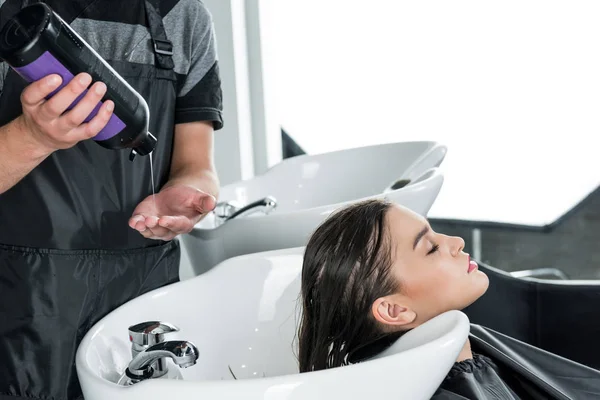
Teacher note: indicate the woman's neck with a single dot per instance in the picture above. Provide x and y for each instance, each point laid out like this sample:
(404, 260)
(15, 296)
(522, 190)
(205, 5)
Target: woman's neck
(465, 353)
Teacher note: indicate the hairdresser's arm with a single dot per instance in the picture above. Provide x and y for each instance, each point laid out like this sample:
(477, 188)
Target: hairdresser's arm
(45, 127)
(193, 158)
(18, 154)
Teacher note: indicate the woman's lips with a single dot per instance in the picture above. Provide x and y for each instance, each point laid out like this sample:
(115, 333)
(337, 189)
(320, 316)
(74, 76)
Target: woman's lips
(472, 266)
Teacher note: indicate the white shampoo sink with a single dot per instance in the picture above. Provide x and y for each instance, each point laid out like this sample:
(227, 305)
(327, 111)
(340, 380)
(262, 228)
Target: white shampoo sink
(242, 317)
(307, 189)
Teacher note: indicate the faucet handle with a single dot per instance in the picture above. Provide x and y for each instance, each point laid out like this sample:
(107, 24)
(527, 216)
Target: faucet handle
(150, 332)
(224, 209)
(266, 205)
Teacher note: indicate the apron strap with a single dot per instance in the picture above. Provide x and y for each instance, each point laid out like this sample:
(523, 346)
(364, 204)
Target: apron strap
(163, 47)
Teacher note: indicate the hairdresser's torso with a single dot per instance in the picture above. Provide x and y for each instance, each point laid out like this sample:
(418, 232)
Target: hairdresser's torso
(82, 198)
(67, 254)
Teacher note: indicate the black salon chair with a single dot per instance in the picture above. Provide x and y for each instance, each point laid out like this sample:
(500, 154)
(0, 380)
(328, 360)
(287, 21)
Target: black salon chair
(560, 316)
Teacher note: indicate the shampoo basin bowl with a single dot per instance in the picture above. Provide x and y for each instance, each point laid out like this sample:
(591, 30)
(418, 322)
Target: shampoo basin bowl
(242, 317)
(307, 189)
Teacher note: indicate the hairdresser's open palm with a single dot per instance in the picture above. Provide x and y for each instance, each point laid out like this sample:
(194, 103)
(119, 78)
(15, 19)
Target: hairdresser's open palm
(178, 209)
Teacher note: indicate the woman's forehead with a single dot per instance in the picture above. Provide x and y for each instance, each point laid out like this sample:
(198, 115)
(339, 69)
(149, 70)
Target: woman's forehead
(404, 226)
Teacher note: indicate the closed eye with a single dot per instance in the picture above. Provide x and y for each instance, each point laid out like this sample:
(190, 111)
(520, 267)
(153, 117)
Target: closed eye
(433, 249)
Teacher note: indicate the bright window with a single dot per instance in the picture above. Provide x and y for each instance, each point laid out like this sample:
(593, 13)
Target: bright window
(512, 87)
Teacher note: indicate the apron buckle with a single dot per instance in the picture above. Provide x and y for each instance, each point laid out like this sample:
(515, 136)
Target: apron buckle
(163, 47)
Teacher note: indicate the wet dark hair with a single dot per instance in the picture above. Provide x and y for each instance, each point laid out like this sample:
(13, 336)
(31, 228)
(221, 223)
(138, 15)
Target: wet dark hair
(347, 266)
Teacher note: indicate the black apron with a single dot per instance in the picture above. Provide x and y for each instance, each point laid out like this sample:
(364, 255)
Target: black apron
(67, 254)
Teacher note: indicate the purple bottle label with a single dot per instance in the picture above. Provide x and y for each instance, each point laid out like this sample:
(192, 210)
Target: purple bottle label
(46, 65)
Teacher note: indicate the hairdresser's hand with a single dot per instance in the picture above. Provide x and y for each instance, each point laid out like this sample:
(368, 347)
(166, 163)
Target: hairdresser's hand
(178, 208)
(50, 123)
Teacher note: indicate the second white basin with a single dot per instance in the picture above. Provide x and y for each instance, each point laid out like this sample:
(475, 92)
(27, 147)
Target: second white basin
(309, 188)
(242, 317)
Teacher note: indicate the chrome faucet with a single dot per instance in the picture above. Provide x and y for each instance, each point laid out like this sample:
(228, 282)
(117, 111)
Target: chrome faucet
(224, 211)
(149, 352)
(183, 353)
(146, 334)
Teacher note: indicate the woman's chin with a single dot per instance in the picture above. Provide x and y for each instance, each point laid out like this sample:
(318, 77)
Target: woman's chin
(482, 283)
(478, 287)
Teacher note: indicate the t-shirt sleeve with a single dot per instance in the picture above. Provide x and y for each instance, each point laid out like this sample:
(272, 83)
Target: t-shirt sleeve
(199, 96)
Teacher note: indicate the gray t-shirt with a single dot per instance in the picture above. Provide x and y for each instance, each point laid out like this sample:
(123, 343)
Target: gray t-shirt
(117, 30)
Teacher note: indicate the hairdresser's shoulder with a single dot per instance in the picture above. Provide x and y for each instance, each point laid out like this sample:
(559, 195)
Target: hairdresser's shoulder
(195, 8)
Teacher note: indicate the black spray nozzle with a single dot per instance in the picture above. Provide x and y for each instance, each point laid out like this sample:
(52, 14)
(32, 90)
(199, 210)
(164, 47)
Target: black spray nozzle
(144, 147)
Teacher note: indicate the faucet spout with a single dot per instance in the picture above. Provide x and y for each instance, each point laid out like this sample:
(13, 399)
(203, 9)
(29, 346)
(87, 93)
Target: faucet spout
(225, 211)
(183, 353)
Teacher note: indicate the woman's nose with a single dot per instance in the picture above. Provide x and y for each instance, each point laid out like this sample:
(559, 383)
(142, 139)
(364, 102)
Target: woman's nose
(457, 244)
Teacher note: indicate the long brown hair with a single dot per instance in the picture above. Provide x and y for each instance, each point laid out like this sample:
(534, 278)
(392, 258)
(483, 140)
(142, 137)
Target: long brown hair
(346, 267)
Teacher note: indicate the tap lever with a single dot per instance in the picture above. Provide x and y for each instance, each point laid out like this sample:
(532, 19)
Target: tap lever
(150, 332)
(183, 353)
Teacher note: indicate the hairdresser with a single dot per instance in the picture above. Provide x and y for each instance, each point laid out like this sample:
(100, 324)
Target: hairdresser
(79, 231)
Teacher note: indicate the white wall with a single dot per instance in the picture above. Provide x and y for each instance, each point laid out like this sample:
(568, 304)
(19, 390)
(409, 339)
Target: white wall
(263, 73)
(250, 141)
(233, 144)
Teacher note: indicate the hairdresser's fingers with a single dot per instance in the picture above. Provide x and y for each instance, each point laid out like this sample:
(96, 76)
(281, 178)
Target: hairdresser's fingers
(203, 202)
(151, 221)
(178, 224)
(138, 223)
(36, 92)
(60, 102)
(147, 233)
(158, 234)
(157, 230)
(82, 110)
(90, 129)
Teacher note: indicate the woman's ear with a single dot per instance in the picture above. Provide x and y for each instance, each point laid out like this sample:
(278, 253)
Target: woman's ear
(390, 310)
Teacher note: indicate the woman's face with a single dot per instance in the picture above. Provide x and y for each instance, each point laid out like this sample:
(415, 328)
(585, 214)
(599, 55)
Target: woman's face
(435, 275)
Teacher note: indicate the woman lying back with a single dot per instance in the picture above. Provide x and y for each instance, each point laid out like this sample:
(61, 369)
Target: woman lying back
(374, 270)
